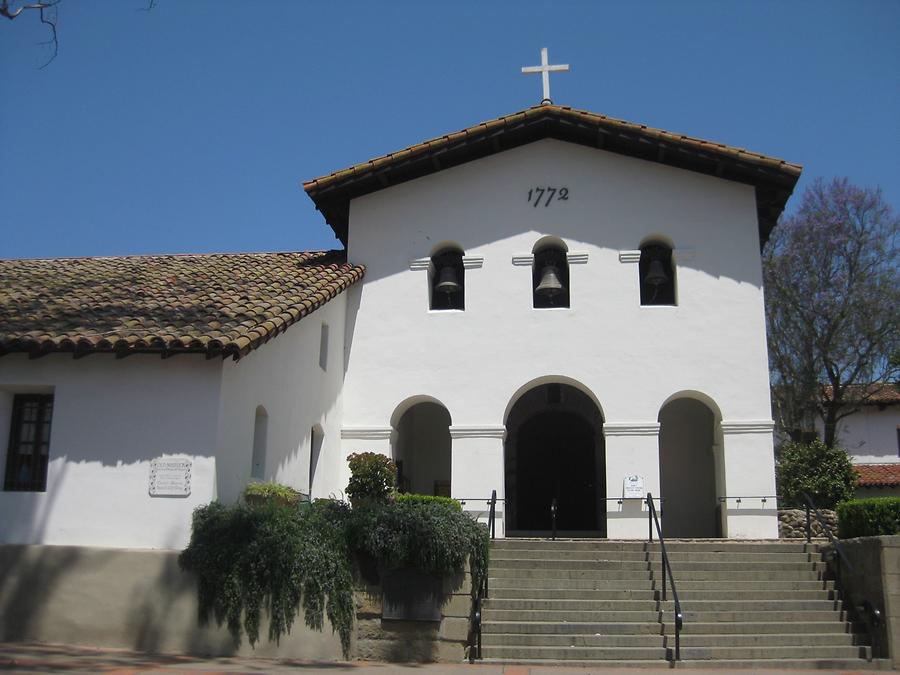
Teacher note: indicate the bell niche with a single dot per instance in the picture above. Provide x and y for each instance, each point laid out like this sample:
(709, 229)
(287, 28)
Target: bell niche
(550, 278)
(657, 275)
(447, 280)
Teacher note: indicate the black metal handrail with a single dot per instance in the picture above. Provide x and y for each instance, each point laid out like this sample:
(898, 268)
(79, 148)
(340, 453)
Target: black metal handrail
(481, 593)
(841, 556)
(666, 570)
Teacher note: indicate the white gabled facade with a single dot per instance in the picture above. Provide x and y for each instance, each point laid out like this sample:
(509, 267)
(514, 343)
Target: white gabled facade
(630, 360)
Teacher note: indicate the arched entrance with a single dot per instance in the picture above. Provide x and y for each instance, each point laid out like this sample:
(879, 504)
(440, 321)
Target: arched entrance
(422, 449)
(687, 469)
(554, 450)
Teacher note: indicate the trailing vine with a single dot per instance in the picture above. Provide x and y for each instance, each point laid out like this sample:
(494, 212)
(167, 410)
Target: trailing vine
(281, 558)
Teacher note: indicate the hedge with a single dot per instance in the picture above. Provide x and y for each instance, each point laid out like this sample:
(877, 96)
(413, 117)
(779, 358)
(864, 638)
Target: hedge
(868, 517)
(410, 498)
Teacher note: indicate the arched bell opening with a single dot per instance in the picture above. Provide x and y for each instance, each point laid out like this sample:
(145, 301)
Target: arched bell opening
(550, 275)
(447, 280)
(422, 449)
(554, 452)
(657, 274)
(689, 469)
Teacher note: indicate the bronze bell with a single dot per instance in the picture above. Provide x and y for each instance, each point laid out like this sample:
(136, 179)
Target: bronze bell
(656, 274)
(447, 281)
(550, 284)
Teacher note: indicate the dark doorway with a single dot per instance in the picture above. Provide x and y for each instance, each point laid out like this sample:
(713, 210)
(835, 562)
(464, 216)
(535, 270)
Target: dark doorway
(556, 461)
(554, 450)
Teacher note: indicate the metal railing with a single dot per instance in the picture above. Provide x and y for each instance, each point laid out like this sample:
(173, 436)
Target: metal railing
(666, 570)
(480, 594)
(840, 555)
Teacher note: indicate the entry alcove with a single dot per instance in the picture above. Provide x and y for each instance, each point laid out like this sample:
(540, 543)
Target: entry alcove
(554, 449)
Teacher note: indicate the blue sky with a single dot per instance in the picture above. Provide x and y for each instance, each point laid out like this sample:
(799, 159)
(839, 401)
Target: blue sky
(190, 127)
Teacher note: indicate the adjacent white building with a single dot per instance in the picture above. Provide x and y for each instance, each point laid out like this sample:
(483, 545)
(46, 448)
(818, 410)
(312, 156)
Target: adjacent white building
(557, 306)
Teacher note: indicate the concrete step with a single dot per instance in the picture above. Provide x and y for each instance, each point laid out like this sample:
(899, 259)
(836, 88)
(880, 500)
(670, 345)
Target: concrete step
(572, 627)
(602, 563)
(560, 605)
(765, 639)
(577, 653)
(573, 615)
(754, 574)
(583, 582)
(694, 605)
(553, 564)
(606, 664)
(776, 664)
(775, 652)
(677, 558)
(530, 573)
(724, 616)
(577, 640)
(636, 554)
(672, 545)
(760, 627)
(739, 585)
(726, 594)
(571, 594)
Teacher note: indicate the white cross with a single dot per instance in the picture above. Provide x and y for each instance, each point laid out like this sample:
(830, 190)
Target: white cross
(545, 69)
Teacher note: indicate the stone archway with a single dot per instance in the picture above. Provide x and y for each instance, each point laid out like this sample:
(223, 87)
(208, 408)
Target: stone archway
(422, 449)
(554, 449)
(688, 469)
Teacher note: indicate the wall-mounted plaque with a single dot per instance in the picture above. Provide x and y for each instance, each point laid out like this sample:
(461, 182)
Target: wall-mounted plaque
(633, 487)
(170, 477)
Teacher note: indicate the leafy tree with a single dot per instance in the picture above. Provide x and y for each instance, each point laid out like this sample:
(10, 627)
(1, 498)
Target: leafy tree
(832, 292)
(824, 472)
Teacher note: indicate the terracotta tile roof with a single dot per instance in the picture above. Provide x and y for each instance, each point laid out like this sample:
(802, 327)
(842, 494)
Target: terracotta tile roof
(878, 475)
(878, 393)
(774, 178)
(219, 304)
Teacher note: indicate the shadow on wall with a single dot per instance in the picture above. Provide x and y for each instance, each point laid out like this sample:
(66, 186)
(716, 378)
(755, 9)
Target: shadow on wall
(117, 598)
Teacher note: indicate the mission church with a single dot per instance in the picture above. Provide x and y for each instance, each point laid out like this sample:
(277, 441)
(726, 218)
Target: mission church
(555, 305)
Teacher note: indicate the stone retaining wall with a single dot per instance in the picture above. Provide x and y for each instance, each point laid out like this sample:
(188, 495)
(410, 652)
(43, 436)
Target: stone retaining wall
(392, 640)
(133, 599)
(792, 523)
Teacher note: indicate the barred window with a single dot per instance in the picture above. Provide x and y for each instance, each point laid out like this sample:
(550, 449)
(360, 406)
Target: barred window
(29, 443)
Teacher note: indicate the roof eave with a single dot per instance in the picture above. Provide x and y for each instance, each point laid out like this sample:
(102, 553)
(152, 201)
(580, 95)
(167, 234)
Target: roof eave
(773, 179)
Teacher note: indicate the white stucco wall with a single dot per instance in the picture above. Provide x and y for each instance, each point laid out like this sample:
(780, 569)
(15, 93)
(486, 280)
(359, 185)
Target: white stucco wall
(285, 377)
(110, 419)
(870, 435)
(630, 358)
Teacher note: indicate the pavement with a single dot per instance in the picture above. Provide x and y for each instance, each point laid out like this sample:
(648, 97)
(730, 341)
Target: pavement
(28, 658)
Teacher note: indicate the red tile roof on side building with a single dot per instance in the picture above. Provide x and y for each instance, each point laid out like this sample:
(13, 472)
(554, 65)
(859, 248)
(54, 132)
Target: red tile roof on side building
(878, 475)
(219, 304)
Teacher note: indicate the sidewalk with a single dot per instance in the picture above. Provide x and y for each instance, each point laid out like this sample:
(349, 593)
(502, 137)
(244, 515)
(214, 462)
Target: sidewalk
(28, 659)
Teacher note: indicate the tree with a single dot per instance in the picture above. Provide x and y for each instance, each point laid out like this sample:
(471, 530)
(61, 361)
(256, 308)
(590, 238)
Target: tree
(46, 12)
(832, 289)
(825, 473)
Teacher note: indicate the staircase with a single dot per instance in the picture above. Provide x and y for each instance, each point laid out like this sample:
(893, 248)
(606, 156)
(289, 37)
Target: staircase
(598, 602)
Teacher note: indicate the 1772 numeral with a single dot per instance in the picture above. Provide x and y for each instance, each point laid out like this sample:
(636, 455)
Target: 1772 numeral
(545, 195)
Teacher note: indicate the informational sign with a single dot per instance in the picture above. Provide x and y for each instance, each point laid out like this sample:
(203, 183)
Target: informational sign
(170, 477)
(633, 487)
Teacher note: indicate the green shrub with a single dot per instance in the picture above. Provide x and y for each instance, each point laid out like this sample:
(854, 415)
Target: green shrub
(247, 558)
(431, 536)
(825, 473)
(408, 498)
(258, 493)
(373, 477)
(869, 517)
